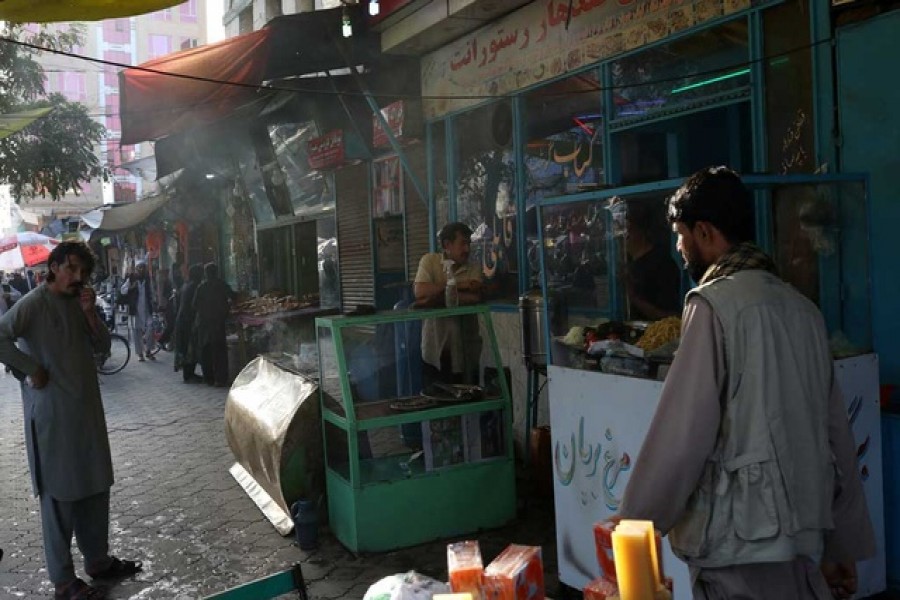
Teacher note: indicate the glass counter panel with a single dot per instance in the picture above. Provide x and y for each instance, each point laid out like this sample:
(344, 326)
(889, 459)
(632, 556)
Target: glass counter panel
(821, 247)
(329, 379)
(608, 260)
(683, 73)
(439, 172)
(398, 362)
(486, 194)
(394, 452)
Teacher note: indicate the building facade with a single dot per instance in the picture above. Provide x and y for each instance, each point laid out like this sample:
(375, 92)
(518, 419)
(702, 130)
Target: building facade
(125, 41)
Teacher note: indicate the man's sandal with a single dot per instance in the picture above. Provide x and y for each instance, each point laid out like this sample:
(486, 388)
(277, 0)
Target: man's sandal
(117, 569)
(79, 590)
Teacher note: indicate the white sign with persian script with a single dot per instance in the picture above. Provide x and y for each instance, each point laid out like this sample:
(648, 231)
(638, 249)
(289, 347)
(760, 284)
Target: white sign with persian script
(542, 40)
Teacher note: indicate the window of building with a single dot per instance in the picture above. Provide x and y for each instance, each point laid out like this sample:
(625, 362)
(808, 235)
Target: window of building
(160, 45)
(711, 64)
(73, 86)
(563, 147)
(187, 43)
(163, 15)
(273, 9)
(245, 20)
(486, 194)
(187, 12)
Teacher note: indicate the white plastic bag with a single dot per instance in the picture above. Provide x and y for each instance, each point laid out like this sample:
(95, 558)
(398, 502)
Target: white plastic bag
(406, 586)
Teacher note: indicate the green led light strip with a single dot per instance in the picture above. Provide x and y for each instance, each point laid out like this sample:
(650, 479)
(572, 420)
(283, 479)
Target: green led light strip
(692, 86)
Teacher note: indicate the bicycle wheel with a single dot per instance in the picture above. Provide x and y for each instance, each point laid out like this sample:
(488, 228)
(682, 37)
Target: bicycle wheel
(118, 357)
(156, 330)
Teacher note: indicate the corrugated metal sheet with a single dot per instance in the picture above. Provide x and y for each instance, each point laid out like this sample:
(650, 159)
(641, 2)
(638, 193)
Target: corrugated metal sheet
(417, 242)
(354, 236)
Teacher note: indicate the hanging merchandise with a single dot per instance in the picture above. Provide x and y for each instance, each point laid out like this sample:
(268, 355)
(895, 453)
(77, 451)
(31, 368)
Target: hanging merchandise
(154, 241)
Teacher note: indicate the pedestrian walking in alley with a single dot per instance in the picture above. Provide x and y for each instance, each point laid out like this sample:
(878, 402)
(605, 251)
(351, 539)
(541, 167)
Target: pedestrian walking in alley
(65, 427)
(185, 332)
(139, 296)
(212, 303)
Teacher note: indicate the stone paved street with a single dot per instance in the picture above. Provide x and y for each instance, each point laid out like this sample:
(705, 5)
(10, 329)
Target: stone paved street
(175, 506)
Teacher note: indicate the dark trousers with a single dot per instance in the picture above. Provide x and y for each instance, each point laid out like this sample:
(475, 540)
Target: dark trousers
(88, 519)
(187, 371)
(214, 361)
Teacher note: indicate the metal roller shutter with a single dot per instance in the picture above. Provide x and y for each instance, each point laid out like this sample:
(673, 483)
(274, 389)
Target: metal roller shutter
(354, 236)
(416, 209)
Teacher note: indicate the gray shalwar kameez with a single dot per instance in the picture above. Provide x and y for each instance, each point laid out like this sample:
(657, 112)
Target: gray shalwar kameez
(65, 427)
(681, 437)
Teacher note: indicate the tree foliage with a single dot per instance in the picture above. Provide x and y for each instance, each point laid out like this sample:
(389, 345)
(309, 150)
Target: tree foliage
(56, 153)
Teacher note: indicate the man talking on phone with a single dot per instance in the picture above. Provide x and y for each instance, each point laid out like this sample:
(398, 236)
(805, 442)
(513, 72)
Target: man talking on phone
(58, 332)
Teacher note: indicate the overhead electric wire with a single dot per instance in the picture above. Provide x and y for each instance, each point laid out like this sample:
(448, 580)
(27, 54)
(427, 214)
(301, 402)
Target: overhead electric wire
(397, 96)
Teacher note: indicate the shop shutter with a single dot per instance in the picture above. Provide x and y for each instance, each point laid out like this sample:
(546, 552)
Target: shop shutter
(354, 236)
(416, 209)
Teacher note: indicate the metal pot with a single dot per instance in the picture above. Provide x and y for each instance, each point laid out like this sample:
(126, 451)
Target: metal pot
(534, 339)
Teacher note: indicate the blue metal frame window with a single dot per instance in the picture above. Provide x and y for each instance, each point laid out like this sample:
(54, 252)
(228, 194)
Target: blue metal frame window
(819, 227)
(486, 193)
(664, 110)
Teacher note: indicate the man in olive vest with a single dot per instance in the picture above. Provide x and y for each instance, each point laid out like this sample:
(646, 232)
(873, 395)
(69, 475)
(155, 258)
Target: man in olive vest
(749, 464)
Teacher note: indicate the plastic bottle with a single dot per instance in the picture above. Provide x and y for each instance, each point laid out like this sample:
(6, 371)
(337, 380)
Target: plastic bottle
(451, 294)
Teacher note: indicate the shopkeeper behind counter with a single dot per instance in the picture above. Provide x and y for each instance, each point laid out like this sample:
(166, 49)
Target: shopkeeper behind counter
(451, 347)
(653, 279)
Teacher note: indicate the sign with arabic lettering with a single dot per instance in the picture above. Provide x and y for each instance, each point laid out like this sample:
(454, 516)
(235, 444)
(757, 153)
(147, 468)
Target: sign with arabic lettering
(542, 40)
(598, 423)
(393, 114)
(327, 151)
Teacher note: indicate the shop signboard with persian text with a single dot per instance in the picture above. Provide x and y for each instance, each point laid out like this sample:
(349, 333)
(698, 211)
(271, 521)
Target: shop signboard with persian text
(543, 40)
(598, 423)
(327, 151)
(393, 115)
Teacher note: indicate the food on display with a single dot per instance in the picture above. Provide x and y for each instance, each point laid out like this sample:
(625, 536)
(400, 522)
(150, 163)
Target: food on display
(575, 337)
(269, 304)
(660, 333)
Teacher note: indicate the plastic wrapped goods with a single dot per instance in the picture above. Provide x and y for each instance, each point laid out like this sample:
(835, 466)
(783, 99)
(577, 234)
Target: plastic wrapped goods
(406, 586)
(516, 574)
(465, 568)
(601, 589)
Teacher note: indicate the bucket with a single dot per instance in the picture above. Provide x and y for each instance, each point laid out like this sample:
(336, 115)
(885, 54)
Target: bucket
(306, 524)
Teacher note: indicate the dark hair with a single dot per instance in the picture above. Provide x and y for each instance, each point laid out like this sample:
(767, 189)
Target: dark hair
(718, 196)
(70, 248)
(211, 270)
(449, 231)
(195, 273)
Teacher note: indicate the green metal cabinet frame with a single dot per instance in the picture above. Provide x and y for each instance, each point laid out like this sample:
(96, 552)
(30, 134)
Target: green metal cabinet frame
(418, 506)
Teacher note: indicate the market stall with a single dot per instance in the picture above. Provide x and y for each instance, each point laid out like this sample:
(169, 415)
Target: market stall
(279, 327)
(607, 364)
(406, 465)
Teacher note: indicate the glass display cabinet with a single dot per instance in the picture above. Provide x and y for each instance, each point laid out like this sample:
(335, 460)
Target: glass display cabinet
(412, 455)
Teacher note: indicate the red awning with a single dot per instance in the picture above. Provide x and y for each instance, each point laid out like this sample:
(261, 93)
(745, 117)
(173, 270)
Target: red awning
(155, 104)
(177, 92)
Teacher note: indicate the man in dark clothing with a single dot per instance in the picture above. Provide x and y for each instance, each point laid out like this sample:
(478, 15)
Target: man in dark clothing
(653, 279)
(212, 303)
(19, 283)
(185, 337)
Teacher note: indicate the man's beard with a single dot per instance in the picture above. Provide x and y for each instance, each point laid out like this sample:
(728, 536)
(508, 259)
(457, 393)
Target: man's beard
(696, 270)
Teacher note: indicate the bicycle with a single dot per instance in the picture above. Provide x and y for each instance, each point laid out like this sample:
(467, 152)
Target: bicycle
(157, 328)
(110, 363)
